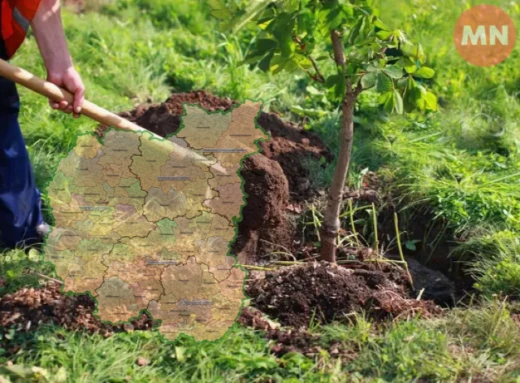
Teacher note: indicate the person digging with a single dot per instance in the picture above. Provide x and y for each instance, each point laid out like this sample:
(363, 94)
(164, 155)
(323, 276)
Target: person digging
(21, 218)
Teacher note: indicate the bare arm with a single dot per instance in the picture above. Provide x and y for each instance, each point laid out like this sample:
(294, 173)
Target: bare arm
(48, 31)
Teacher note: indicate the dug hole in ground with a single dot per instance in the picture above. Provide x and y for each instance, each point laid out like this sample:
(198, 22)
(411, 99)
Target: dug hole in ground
(278, 188)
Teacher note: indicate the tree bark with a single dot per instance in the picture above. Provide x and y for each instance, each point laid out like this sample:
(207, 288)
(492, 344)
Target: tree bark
(331, 222)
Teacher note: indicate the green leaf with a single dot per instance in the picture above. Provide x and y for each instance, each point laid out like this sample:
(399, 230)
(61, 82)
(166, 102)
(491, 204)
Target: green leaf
(394, 72)
(387, 100)
(334, 19)
(282, 30)
(402, 83)
(340, 88)
(414, 51)
(408, 65)
(379, 24)
(411, 245)
(332, 80)
(258, 54)
(368, 80)
(367, 10)
(287, 46)
(280, 63)
(322, 58)
(384, 35)
(354, 33)
(412, 96)
(398, 102)
(265, 45)
(372, 68)
(220, 10)
(264, 23)
(430, 101)
(302, 61)
(384, 83)
(265, 63)
(337, 15)
(291, 5)
(250, 13)
(306, 21)
(424, 72)
(250, 59)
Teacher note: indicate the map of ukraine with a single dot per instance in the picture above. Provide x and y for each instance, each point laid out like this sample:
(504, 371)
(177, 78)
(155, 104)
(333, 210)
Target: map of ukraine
(146, 224)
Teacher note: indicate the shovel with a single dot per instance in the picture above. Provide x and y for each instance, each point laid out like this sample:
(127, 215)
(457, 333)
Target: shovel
(55, 93)
(93, 111)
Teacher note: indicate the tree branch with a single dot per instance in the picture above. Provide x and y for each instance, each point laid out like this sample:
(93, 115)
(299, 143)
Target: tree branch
(319, 77)
(358, 90)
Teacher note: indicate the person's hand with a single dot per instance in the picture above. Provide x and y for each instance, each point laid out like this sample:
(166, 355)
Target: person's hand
(68, 79)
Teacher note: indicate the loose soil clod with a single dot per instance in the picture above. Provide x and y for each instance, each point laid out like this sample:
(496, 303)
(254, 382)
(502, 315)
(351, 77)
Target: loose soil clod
(284, 340)
(325, 292)
(26, 309)
(264, 219)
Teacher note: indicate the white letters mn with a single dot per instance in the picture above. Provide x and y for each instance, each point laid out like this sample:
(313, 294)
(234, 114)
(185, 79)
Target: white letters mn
(480, 34)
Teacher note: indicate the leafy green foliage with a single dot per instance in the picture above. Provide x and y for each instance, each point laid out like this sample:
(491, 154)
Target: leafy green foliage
(293, 36)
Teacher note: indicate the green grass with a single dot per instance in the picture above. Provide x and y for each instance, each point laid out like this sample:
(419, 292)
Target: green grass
(480, 341)
(462, 164)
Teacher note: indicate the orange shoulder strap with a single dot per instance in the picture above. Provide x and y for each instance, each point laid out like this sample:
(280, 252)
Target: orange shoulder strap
(16, 19)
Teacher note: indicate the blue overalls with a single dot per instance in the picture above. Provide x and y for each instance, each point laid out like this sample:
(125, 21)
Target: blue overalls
(20, 203)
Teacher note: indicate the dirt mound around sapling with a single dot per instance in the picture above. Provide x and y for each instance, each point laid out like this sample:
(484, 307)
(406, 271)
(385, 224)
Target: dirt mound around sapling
(325, 292)
(28, 308)
(274, 179)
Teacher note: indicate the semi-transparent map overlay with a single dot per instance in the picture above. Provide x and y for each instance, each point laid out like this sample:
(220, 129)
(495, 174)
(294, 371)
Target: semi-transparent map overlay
(145, 224)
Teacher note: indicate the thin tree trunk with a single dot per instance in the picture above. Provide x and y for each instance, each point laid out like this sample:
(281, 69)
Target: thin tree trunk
(331, 223)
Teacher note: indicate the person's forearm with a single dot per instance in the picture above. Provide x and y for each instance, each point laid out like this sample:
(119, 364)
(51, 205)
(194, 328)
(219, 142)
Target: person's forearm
(48, 31)
(50, 37)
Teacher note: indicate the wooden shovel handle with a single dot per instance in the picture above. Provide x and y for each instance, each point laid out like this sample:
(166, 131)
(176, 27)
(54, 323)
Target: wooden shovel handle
(55, 93)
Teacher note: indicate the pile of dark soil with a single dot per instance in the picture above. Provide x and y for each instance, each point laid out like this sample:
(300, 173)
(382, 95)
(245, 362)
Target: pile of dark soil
(274, 179)
(27, 309)
(325, 292)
